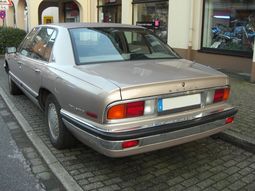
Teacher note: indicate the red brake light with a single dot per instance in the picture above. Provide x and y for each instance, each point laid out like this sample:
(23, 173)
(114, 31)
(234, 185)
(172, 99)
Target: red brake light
(229, 120)
(221, 95)
(129, 144)
(127, 110)
(135, 109)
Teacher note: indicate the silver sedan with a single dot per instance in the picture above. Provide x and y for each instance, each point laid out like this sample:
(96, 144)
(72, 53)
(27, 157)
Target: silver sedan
(117, 88)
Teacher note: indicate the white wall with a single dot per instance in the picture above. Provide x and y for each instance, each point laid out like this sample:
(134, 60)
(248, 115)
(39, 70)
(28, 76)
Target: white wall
(51, 11)
(184, 25)
(178, 23)
(126, 13)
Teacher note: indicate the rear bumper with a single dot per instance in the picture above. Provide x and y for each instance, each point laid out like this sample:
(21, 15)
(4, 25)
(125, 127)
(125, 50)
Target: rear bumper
(153, 138)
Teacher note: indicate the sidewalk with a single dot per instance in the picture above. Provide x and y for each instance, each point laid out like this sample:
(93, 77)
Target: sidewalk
(243, 98)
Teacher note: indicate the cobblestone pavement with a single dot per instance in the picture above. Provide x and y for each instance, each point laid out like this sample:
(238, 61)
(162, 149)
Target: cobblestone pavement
(243, 97)
(207, 164)
(33, 163)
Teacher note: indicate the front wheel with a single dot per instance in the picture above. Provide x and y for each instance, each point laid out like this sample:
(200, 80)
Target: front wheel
(60, 137)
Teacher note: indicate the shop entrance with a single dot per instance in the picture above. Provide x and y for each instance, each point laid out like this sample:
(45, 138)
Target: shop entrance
(152, 15)
(109, 11)
(54, 11)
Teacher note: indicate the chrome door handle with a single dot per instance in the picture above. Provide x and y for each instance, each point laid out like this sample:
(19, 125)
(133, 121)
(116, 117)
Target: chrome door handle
(19, 64)
(37, 70)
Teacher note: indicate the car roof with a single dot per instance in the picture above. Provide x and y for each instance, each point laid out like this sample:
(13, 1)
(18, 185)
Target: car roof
(92, 25)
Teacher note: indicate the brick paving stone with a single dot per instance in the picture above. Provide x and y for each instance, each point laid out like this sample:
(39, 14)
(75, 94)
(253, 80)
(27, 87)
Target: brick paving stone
(221, 184)
(93, 186)
(38, 169)
(36, 162)
(249, 179)
(246, 170)
(250, 187)
(238, 185)
(210, 189)
(83, 176)
(206, 164)
(178, 187)
(44, 175)
(189, 182)
(205, 183)
(243, 97)
(175, 180)
(232, 170)
(110, 188)
(219, 176)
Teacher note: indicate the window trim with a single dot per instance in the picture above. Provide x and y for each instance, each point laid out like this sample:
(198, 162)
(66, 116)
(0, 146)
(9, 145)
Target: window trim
(226, 52)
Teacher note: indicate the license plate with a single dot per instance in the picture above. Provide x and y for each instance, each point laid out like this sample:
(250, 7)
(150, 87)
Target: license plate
(179, 102)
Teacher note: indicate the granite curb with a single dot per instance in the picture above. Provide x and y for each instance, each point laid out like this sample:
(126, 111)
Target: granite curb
(238, 140)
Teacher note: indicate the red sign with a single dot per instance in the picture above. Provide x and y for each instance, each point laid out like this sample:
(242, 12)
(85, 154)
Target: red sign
(2, 14)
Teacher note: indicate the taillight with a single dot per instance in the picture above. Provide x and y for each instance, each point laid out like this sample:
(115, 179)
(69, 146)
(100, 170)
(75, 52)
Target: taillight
(117, 112)
(129, 144)
(221, 95)
(131, 109)
(127, 110)
(134, 109)
(229, 120)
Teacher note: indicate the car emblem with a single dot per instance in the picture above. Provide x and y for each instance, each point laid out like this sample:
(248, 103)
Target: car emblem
(183, 84)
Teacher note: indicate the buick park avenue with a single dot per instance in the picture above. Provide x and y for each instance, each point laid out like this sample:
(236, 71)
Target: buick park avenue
(117, 88)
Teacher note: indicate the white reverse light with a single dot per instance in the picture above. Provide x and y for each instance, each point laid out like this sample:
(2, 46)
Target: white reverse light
(149, 107)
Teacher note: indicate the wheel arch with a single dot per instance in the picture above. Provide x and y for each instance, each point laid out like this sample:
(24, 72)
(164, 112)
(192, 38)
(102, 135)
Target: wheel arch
(43, 94)
(6, 66)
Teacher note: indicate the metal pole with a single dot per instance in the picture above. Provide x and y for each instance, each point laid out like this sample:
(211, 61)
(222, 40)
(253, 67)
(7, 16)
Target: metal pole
(253, 66)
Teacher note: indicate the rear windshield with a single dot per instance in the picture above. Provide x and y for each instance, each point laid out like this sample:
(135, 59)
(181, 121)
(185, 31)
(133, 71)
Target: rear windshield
(93, 45)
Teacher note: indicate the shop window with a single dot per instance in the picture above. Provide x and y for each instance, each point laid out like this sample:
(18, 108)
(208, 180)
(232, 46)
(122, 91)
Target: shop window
(109, 11)
(229, 26)
(152, 15)
(72, 13)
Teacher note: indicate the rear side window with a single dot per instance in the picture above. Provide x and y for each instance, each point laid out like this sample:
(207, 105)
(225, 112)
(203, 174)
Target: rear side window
(38, 45)
(26, 46)
(43, 43)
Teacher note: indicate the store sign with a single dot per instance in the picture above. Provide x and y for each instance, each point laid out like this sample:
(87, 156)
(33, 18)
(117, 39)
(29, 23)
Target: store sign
(148, 25)
(2, 14)
(6, 2)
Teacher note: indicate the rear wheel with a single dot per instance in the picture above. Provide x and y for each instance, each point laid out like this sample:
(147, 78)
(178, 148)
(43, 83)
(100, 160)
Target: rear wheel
(60, 137)
(13, 88)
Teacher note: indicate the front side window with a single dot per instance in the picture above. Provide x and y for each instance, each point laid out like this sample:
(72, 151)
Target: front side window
(117, 44)
(229, 26)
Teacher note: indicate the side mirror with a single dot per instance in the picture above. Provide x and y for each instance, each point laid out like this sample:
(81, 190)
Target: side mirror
(10, 50)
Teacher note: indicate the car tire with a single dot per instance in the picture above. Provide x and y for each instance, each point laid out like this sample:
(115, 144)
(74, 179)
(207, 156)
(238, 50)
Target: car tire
(59, 135)
(13, 88)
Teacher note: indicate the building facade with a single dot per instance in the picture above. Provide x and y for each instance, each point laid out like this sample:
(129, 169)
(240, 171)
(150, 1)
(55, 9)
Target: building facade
(217, 33)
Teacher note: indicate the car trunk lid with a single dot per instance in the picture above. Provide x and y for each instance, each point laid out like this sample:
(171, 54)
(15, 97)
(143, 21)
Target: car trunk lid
(157, 77)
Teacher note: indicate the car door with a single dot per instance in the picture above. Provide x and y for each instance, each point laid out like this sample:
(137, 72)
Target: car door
(40, 55)
(20, 57)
